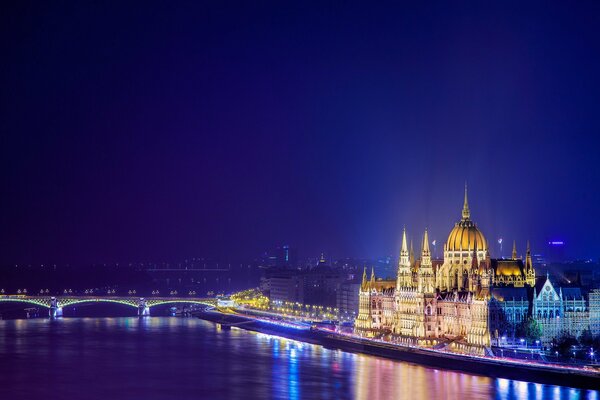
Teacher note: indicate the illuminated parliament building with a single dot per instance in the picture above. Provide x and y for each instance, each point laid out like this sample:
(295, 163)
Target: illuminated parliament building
(442, 301)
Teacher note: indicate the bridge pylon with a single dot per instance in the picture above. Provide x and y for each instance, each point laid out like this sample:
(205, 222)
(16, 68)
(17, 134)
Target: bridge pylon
(143, 308)
(56, 311)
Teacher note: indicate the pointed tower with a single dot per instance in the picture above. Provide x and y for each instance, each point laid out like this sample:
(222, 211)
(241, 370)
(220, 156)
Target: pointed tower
(529, 270)
(425, 272)
(466, 214)
(372, 281)
(514, 252)
(404, 256)
(404, 278)
(411, 255)
(364, 284)
(425, 253)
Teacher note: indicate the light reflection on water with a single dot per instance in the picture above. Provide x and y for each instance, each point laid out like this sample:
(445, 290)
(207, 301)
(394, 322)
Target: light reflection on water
(175, 358)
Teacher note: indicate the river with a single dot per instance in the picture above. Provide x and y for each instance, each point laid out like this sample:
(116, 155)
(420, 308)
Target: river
(187, 358)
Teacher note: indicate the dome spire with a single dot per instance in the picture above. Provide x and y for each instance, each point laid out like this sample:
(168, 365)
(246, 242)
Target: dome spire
(466, 214)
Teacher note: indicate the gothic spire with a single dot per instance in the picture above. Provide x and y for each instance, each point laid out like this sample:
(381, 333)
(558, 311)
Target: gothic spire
(364, 279)
(528, 262)
(466, 214)
(404, 246)
(514, 252)
(404, 261)
(425, 247)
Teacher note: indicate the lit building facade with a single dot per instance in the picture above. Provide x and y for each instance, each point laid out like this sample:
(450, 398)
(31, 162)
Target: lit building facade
(594, 311)
(432, 302)
(560, 312)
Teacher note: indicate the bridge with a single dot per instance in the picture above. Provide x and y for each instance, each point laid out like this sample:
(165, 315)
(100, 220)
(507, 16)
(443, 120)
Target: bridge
(55, 304)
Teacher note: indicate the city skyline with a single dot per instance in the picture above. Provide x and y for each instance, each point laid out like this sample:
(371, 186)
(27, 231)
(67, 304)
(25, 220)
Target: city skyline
(299, 200)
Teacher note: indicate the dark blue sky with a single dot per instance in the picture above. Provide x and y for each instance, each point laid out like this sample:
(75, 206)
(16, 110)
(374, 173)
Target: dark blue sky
(154, 131)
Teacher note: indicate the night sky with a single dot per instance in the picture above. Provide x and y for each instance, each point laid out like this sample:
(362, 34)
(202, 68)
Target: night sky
(152, 131)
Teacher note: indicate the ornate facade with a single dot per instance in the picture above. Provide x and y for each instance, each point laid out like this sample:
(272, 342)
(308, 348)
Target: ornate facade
(431, 301)
(559, 312)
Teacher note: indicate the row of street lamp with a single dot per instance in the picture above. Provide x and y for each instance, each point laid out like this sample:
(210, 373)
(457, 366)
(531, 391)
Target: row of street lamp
(130, 292)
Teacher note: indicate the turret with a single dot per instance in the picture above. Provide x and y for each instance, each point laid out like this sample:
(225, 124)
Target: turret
(425, 253)
(529, 270)
(425, 273)
(404, 278)
(363, 285)
(372, 281)
(404, 256)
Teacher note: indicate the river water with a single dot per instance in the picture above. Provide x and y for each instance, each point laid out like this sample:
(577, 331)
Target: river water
(187, 358)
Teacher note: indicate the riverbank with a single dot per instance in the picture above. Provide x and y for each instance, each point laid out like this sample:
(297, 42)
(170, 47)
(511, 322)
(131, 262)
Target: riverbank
(481, 365)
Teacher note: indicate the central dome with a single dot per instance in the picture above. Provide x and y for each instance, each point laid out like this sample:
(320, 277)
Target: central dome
(465, 235)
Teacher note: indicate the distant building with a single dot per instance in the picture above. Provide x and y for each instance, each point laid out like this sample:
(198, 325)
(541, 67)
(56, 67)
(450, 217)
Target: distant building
(321, 286)
(594, 311)
(559, 312)
(284, 285)
(317, 286)
(348, 298)
(281, 256)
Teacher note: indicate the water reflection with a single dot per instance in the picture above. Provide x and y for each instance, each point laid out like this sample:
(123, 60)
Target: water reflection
(166, 358)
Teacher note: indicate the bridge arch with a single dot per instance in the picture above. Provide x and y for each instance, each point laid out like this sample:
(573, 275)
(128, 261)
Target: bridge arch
(152, 303)
(73, 301)
(38, 302)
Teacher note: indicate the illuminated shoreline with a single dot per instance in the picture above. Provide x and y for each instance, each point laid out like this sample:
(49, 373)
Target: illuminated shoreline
(494, 367)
